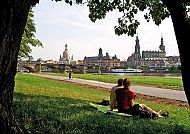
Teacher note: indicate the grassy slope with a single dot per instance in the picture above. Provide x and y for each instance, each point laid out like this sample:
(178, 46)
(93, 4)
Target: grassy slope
(43, 105)
(162, 82)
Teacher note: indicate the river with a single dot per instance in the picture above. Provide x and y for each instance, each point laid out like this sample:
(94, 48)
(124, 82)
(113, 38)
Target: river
(146, 74)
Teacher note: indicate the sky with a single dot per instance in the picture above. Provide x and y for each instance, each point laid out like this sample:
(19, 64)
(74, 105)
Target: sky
(58, 24)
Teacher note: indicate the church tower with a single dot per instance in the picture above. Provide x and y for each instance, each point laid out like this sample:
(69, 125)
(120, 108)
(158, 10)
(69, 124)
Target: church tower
(162, 47)
(137, 54)
(100, 55)
(137, 45)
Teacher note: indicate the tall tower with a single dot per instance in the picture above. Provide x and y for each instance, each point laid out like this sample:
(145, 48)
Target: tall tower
(137, 54)
(100, 55)
(137, 45)
(162, 47)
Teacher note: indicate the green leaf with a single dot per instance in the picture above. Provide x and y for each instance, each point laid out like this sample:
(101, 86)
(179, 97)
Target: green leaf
(28, 38)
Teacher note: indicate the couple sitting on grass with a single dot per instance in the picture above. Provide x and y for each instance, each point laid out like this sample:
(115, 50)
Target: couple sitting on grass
(124, 99)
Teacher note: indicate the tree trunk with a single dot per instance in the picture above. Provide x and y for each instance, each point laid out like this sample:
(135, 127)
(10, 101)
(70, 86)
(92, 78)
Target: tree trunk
(181, 26)
(13, 16)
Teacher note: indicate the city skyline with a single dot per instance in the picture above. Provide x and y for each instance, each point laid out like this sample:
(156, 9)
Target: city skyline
(58, 24)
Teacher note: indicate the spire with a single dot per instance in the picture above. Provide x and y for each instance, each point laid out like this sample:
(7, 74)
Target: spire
(72, 57)
(137, 45)
(162, 47)
(65, 47)
(107, 55)
(100, 50)
(100, 55)
(162, 41)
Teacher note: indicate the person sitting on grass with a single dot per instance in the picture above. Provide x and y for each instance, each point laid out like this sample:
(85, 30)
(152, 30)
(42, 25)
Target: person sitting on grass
(125, 99)
(112, 94)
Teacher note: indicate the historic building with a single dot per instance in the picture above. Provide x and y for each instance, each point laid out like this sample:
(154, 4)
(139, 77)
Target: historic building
(152, 59)
(66, 57)
(102, 61)
(134, 61)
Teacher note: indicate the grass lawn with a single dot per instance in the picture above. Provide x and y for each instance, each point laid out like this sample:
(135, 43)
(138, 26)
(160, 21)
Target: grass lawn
(48, 106)
(161, 82)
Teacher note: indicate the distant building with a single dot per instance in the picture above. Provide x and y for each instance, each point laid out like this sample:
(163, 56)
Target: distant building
(80, 62)
(102, 61)
(134, 60)
(50, 62)
(123, 64)
(66, 57)
(152, 59)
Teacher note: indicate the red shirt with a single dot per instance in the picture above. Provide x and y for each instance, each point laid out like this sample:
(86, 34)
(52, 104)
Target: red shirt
(123, 97)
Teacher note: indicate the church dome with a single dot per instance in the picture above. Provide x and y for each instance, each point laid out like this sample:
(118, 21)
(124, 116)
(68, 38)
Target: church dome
(66, 54)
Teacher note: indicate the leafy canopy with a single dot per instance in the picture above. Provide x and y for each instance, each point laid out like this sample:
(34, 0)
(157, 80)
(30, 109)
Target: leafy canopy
(128, 22)
(28, 38)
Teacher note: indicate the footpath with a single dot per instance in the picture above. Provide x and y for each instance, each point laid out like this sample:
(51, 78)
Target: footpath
(152, 91)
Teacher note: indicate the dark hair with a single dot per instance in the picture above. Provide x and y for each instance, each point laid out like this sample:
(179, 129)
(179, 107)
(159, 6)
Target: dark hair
(120, 82)
(126, 82)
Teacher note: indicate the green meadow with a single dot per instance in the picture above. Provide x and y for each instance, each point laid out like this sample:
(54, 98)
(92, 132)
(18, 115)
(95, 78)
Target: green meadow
(161, 82)
(48, 106)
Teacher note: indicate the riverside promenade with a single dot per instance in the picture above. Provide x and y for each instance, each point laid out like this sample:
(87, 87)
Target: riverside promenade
(152, 91)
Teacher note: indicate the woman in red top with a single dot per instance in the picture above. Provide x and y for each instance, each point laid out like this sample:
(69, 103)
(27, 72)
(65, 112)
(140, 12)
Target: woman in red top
(126, 100)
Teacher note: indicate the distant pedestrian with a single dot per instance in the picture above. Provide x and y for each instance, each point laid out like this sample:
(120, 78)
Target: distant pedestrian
(70, 75)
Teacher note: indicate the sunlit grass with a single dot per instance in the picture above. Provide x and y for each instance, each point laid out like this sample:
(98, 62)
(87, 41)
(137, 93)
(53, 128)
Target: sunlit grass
(37, 86)
(48, 106)
(161, 82)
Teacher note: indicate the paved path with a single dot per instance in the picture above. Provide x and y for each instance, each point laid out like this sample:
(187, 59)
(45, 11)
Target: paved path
(152, 91)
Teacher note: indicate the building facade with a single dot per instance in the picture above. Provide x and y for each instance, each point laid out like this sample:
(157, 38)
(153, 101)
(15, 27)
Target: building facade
(66, 57)
(102, 61)
(152, 59)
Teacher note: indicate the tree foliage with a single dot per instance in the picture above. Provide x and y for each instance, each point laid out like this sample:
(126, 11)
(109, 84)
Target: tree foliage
(128, 22)
(28, 38)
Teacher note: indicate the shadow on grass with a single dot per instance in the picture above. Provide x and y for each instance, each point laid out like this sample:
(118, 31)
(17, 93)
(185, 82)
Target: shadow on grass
(43, 114)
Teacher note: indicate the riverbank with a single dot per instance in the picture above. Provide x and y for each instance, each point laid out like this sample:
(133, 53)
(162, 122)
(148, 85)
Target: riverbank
(153, 74)
(153, 99)
(152, 91)
(149, 81)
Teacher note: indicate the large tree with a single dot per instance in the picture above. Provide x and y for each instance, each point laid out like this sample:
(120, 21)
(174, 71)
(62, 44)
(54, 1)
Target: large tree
(13, 16)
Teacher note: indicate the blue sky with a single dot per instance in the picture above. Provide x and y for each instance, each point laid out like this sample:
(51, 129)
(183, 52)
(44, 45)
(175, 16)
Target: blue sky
(58, 24)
